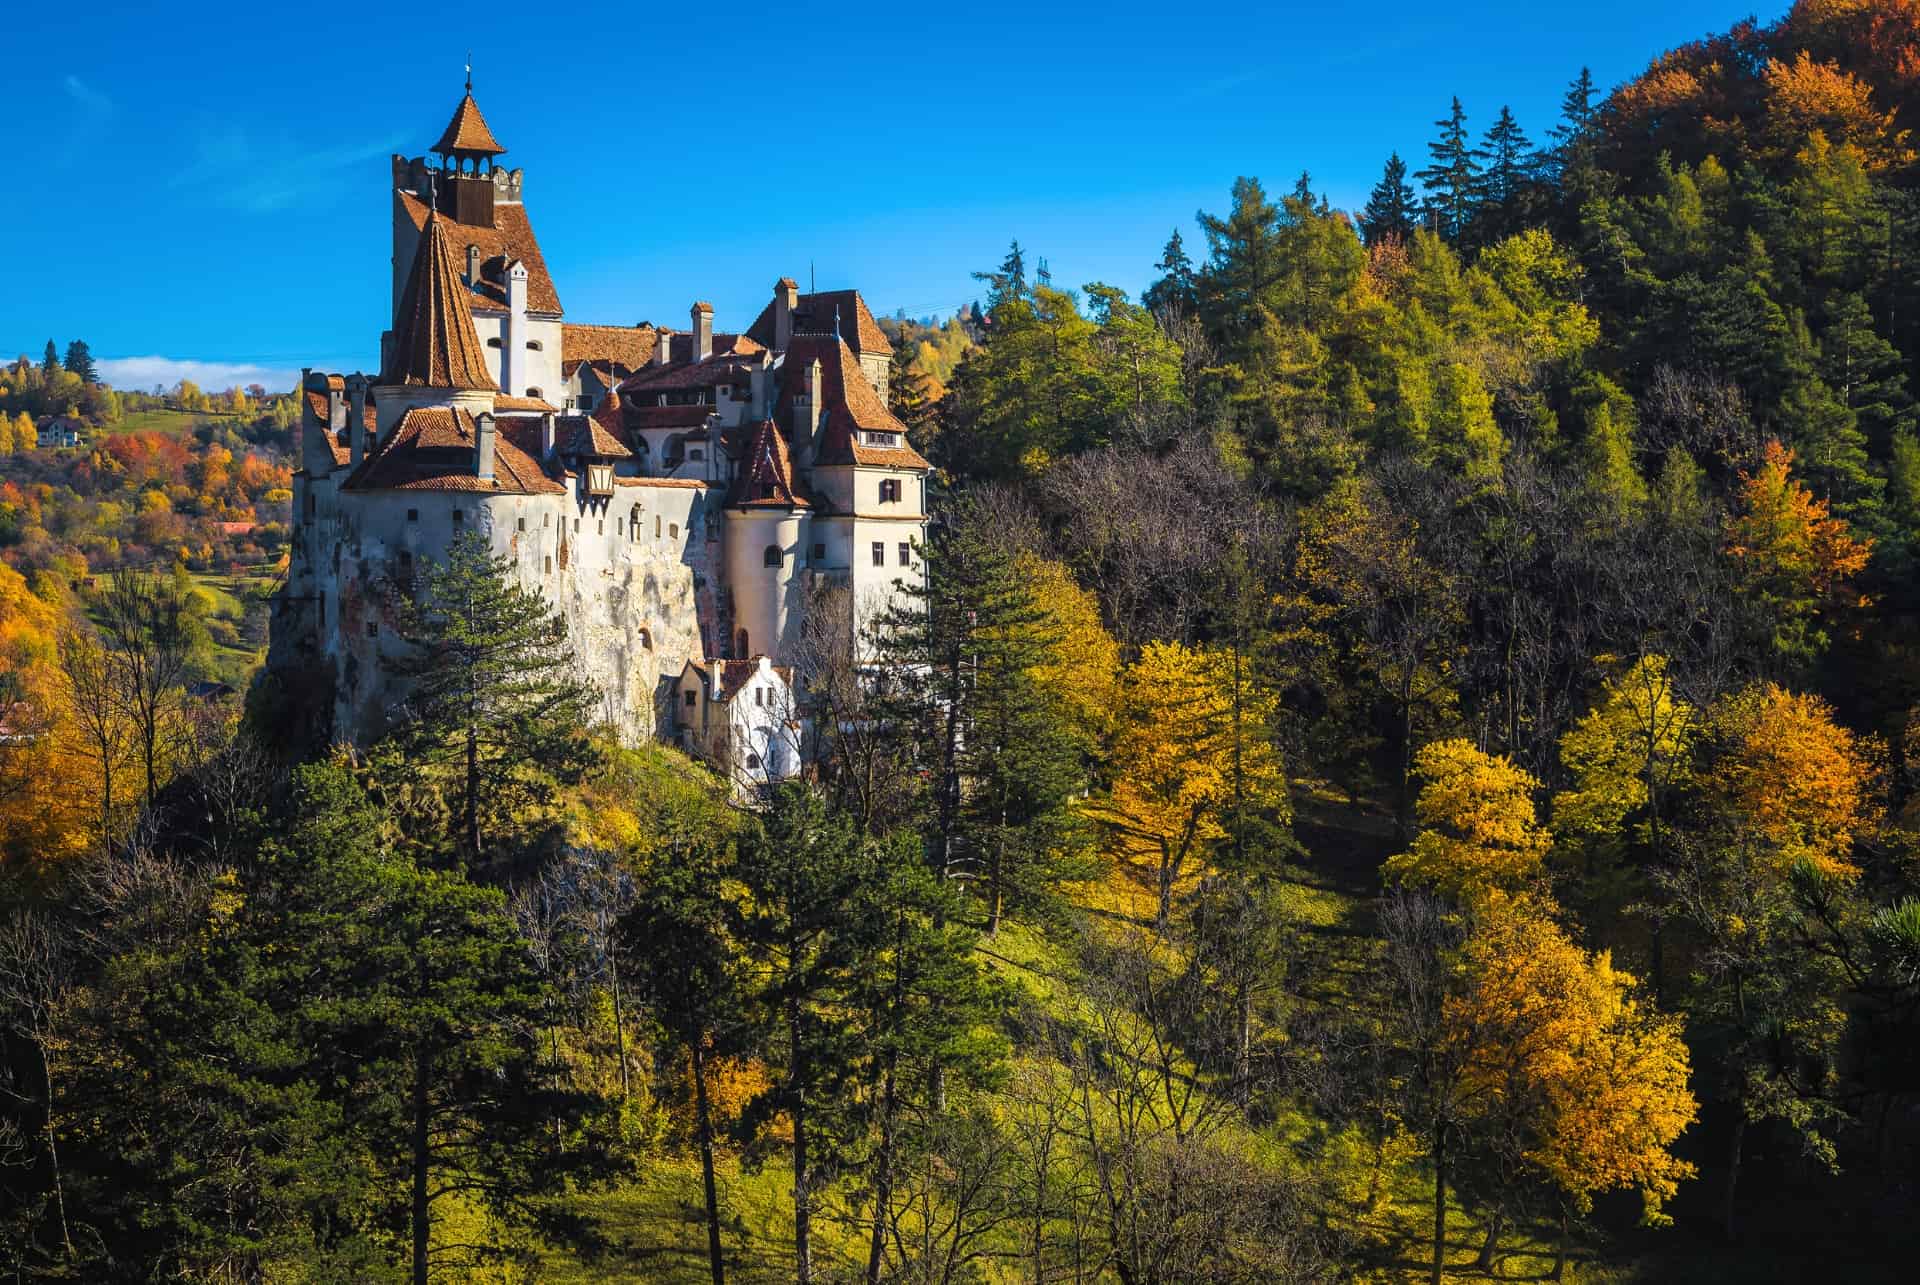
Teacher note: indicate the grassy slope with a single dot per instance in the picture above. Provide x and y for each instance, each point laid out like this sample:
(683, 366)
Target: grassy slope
(655, 1232)
(155, 421)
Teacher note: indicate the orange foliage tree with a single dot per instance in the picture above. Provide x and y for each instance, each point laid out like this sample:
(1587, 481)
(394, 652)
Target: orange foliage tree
(1478, 828)
(1793, 556)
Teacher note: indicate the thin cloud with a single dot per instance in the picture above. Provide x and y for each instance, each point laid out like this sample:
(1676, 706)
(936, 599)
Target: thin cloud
(90, 99)
(143, 373)
(241, 172)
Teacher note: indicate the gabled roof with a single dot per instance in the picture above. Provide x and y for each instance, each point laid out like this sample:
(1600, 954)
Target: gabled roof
(504, 405)
(467, 132)
(852, 405)
(511, 237)
(815, 314)
(590, 438)
(630, 347)
(765, 479)
(432, 450)
(434, 342)
(729, 676)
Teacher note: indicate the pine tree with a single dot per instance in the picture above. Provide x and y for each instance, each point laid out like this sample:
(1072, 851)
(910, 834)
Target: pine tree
(1007, 282)
(1572, 164)
(1452, 180)
(1391, 206)
(1244, 262)
(910, 396)
(50, 364)
(1505, 178)
(1173, 289)
(80, 362)
(491, 706)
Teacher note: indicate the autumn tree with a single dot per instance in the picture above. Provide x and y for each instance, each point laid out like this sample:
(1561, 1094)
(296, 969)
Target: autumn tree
(1794, 559)
(1478, 828)
(1184, 757)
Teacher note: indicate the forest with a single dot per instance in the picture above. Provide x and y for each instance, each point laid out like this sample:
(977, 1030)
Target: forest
(1406, 768)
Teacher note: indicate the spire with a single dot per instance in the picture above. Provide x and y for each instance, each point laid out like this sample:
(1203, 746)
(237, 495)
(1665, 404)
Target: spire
(467, 136)
(434, 342)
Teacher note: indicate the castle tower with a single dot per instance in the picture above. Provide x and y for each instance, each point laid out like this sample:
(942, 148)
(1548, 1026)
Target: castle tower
(434, 356)
(766, 543)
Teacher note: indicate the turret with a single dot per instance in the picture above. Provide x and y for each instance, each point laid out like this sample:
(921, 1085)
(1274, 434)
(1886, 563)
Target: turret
(483, 435)
(513, 341)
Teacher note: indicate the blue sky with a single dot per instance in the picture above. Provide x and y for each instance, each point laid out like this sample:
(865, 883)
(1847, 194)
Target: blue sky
(211, 186)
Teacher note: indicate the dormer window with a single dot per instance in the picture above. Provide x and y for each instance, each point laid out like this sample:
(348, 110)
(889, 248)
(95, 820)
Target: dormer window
(890, 490)
(533, 345)
(879, 439)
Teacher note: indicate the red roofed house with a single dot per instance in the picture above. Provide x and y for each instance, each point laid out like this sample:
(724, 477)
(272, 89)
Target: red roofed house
(684, 499)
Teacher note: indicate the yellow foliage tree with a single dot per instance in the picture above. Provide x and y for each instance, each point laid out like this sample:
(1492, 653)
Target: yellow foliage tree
(1793, 556)
(1553, 1043)
(1805, 96)
(1626, 753)
(1788, 773)
(43, 809)
(1184, 759)
(1083, 664)
(1478, 828)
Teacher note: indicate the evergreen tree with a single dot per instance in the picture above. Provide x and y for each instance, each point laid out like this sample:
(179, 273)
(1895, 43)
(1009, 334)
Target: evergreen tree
(1391, 206)
(910, 396)
(1572, 163)
(1505, 180)
(80, 362)
(1008, 281)
(491, 707)
(1452, 180)
(1244, 260)
(1173, 288)
(50, 364)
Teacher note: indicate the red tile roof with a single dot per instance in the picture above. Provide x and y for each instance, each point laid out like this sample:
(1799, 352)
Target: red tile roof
(434, 342)
(503, 404)
(765, 479)
(628, 346)
(432, 450)
(591, 438)
(680, 483)
(852, 405)
(511, 237)
(468, 132)
(814, 314)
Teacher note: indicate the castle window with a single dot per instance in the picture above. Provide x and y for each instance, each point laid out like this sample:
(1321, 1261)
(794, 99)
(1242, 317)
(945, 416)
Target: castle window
(413, 515)
(549, 561)
(309, 504)
(673, 530)
(753, 761)
(772, 557)
(879, 554)
(459, 516)
(406, 567)
(656, 526)
(535, 392)
(493, 343)
(689, 699)
(546, 519)
(760, 696)
(633, 523)
(520, 524)
(819, 554)
(696, 454)
(373, 629)
(576, 526)
(906, 554)
(533, 345)
(742, 640)
(890, 491)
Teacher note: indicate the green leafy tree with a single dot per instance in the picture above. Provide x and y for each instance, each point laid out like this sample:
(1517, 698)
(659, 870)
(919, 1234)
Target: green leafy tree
(491, 708)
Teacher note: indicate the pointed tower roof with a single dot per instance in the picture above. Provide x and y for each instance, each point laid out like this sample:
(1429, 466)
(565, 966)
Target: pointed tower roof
(765, 480)
(467, 133)
(434, 342)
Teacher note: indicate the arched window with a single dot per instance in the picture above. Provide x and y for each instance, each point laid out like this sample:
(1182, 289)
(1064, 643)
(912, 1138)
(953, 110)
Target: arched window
(533, 345)
(773, 557)
(633, 523)
(535, 392)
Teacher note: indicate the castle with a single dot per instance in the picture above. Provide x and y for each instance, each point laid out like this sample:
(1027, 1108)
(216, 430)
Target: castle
(681, 498)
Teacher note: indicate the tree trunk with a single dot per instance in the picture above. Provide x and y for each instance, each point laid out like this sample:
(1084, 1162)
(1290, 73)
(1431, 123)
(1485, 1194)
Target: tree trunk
(1403, 815)
(802, 1197)
(1560, 1250)
(53, 1151)
(422, 1155)
(883, 1176)
(1243, 1050)
(1491, 1245)
(703, 1125)
(619, 1026)
(471, 810)
(996, 873)
(1733, 1175)
(1439, 1204)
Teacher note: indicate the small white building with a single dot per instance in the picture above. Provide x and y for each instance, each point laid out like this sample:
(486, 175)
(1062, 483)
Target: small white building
(681, 497)
(60, 432)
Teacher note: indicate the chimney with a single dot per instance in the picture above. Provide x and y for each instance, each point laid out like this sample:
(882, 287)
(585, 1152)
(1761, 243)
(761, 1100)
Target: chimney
(546, 436)
(483, 445)
(336, 407)
(806, 413)
(663, 349)
(702, 331)
(786, 298)
(473, 264)
(757, 382)
(357, 416)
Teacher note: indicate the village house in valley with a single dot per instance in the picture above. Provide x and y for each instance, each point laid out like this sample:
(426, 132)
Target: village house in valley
(682, 497)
